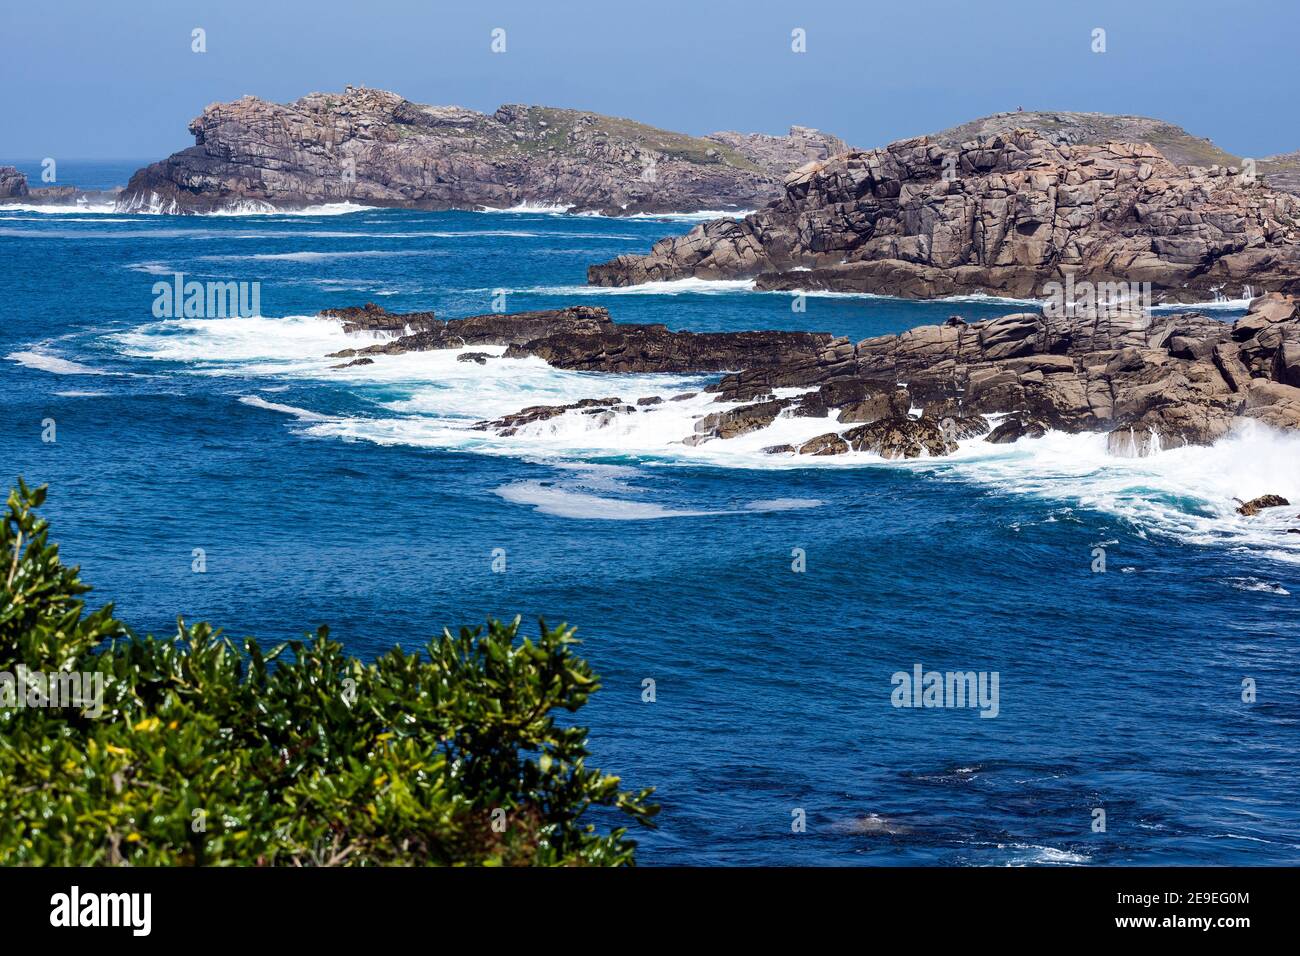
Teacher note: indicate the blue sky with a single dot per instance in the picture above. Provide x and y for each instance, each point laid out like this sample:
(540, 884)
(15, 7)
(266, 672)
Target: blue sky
(95, 79)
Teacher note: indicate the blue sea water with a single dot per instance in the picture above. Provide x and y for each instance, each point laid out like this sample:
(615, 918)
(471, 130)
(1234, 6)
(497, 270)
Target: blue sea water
(362, 498)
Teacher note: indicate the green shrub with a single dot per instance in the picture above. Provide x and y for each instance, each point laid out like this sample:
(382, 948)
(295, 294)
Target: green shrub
(206, 753)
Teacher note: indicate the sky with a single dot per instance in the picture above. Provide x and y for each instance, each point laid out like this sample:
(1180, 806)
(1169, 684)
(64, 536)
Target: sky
(118, 79)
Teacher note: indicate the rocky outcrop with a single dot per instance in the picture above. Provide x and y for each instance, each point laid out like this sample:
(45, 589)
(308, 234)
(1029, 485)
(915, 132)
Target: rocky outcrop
(781, 155)
(1008, 215)
(1069, 128)
(585, 338)
(1255, 505)
(1149, 382)
(15, 189)
(13, 184)
(376, 148)
(1013, 428)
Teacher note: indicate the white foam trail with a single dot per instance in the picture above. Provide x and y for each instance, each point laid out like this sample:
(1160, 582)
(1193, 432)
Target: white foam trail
(433, 400)
(784, 504)
(1227, 305)
(52, 363)
(311, 256)
(302, 414)
(155, 205)
(565, 503)
(62, 210)
(572, 497)
(253, 208)
(703, 215)
(670, 287)
(562, 209)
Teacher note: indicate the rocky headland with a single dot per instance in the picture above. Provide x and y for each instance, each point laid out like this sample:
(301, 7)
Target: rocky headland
(1148, 382)
(1006, 215)
(375, 148)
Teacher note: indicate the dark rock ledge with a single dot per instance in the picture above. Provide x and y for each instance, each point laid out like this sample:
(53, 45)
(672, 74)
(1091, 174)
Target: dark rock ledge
(1149, 382)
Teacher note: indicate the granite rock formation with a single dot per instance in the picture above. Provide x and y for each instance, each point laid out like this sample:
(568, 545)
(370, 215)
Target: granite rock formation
(1148, 382)
(1008, 216)
(375, 148)
(13, 184)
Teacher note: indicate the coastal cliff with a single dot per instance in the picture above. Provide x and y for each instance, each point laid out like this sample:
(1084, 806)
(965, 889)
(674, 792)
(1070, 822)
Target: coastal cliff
(375, 148)
(1005, 215)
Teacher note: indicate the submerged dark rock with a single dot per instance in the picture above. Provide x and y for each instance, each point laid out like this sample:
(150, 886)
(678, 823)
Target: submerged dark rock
(1014, 428)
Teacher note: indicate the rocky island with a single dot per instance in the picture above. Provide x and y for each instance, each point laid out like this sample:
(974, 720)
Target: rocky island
(1004, 215)
(376, 148)
(1149, 382)
(15, 189)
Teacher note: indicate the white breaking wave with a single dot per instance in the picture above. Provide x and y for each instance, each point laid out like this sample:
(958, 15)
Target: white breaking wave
(703, 215)
(289, 346)
(433, 400)
(62, 210)
(1227, 305)
(536, 208)
(670, 287)
(155, 205)
(254, 208)
(1187, 492)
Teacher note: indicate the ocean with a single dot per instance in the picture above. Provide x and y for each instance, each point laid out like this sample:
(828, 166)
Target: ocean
(771, 601)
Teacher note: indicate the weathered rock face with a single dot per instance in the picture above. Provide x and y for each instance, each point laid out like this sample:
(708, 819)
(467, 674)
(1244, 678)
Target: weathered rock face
(1006, 216)
(376, 148)
(1256, 505)
(1150, 382)
(13, 184)
(586, 338)
(422, 331)
(782, 154)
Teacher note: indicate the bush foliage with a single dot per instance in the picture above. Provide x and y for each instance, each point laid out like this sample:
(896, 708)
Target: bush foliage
(210, 753)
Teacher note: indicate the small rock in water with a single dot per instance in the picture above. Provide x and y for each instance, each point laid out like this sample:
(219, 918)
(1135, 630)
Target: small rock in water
(1256, 505)
(828, 444)
(480, 357)
(1013, 429)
